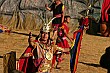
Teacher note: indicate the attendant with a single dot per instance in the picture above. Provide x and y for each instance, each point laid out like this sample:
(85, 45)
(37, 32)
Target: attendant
(61, 40)
(105, 19)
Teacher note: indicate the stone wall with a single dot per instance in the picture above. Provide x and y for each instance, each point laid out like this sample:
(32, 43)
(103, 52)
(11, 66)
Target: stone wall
(14, 13)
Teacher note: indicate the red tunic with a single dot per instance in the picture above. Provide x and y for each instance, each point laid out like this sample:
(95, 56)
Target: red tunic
(61, 39)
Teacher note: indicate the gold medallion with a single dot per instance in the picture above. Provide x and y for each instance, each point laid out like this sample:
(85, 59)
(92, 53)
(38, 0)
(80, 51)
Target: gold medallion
(49, 56)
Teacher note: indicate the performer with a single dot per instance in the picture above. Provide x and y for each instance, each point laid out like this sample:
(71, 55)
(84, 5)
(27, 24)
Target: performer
(39, 54)
(4, 29)
(105, 19)
(58, 11)
(62, 33)
(61, 41)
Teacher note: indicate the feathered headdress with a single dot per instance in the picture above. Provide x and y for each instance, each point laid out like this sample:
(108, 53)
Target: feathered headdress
(46, 27)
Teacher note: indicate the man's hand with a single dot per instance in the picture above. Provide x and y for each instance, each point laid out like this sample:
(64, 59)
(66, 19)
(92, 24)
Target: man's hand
(46, 5)
(27, 55)
(30, 39)
(30, 35)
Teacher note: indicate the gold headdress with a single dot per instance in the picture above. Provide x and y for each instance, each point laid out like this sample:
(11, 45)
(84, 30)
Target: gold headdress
(46, 27)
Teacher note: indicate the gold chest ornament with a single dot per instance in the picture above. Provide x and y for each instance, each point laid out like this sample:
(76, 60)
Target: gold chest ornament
(48, 55)
(45, 67)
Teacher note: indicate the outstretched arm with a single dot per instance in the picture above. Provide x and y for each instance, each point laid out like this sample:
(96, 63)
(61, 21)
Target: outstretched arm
(68, 36)
(48, 8)
(30, 41)
(63, 9)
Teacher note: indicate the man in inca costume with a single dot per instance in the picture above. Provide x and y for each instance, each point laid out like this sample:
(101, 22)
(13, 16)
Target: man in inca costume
(39, 54)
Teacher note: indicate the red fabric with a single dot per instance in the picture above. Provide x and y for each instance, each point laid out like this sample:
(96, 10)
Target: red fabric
(55, 26)
(84, 21)
(105, 7)
(75, 60)
(52, 42)
(75, 33)
(53, 60)
(65, 27)
(64, 42)
(27, 64)
(1, 26)
(23, 62)
(35, 40)
(60, 59)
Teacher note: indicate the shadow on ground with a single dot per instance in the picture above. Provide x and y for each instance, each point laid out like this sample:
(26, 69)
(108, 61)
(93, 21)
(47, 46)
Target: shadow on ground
(90, 64)
(105, 59)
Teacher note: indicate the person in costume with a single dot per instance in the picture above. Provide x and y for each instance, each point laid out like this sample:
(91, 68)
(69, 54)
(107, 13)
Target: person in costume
(39, 54)
(4, 29)
(62, 34)
(105, 18)
(58, 11)
(61, 40)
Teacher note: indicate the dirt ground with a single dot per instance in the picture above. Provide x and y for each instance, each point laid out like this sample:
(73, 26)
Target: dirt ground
(92, 48)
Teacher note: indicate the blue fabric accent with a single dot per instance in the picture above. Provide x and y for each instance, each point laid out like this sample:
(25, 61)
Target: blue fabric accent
(74, 51)
(1, 30)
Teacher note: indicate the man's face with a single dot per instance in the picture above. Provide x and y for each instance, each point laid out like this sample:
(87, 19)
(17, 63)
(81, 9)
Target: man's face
(57, 1)
(44, 36)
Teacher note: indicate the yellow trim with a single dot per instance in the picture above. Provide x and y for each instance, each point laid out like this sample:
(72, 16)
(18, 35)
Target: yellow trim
(63, 8)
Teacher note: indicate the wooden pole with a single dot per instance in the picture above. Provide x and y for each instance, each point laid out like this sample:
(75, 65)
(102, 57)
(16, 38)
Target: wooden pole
(9, 62)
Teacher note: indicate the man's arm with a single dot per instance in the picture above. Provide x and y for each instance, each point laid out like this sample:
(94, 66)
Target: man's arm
(67, 36)
(30, 41)
(48, 8)
(63, 9)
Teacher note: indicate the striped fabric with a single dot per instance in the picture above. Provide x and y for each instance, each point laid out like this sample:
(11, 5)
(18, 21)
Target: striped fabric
(75, 49)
